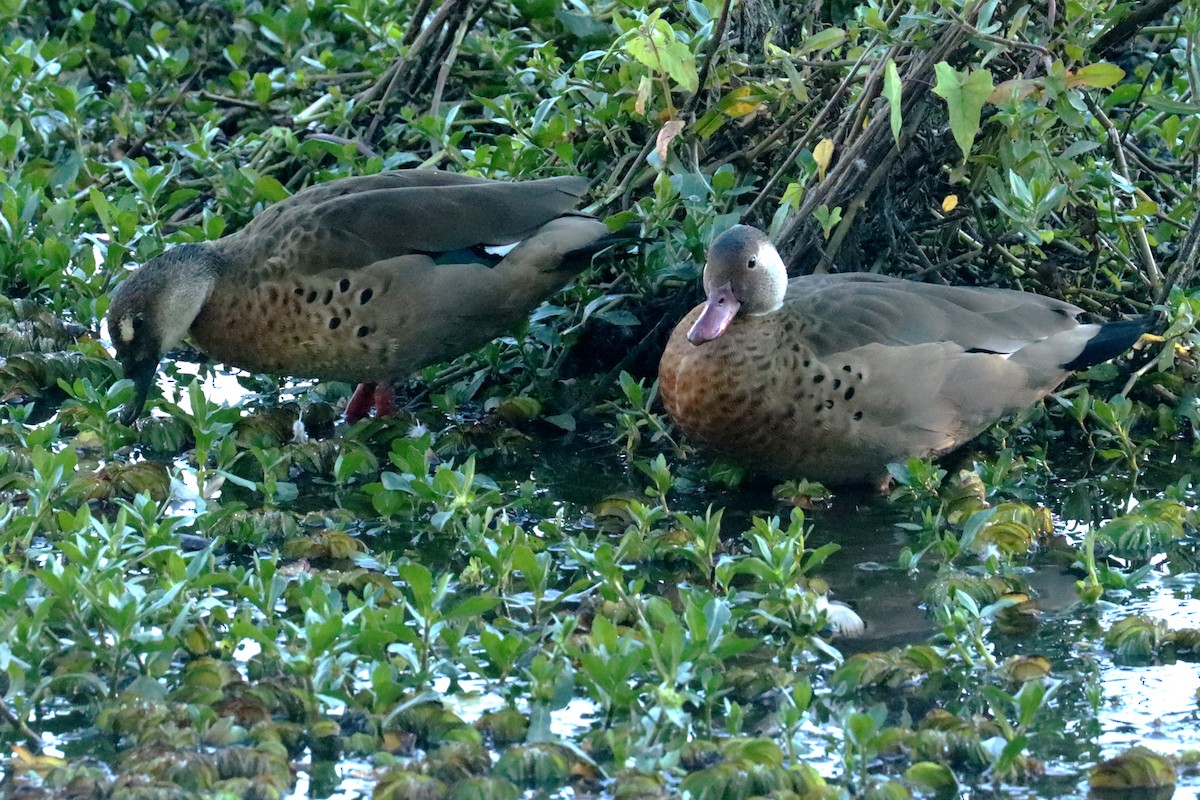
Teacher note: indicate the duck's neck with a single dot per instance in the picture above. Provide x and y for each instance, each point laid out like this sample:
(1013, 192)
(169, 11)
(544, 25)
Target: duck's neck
(765, 312)
(187, 280)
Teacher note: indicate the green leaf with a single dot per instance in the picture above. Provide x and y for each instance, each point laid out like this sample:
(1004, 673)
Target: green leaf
(826, 218)
(1146, 208)
(564, 421)
(270, 189)
(931, 776)
(754, 751)
(472, 607)
(262, 88)
(1020, 189)
(1099, 75)
(1170, 106)
(830, 37)
(893, 90)
(964, 93)
(583, 26)
(1136, 768)
(655, 46)
(861, 728)
(419, 580)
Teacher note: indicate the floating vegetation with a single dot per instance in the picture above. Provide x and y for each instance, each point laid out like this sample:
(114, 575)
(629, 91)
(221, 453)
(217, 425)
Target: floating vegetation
(507, 726)
(403, 784)
(1136, 768)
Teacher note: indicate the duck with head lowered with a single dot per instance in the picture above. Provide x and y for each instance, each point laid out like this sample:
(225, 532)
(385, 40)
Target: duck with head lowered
(347, 280)
(833, 377)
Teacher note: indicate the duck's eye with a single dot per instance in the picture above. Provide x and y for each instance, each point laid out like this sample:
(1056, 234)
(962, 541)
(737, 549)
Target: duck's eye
(752, 263)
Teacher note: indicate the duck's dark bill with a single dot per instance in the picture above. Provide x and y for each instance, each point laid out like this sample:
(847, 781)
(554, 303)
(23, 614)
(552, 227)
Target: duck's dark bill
(142, 374)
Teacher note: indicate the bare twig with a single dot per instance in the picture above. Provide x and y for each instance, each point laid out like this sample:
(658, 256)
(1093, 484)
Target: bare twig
(942, 266)
(810, 135)
(361, 147)
(237, 102)
(1138, 232)
(391, 76)
(135, 148)
(859, 162)
(808, 63)
(423, 73)
(18, 724)
(1000, 40)
(435, 24)
(1128, 26)
(851, 209)
(713, 45)
(751, 154)
(444, 71)
(414, 25)
(1187, 264)
(636, 165)
(869, 92)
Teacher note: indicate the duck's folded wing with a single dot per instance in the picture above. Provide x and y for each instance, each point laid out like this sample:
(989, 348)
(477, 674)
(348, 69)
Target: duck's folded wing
(840, 312)
(363, 220)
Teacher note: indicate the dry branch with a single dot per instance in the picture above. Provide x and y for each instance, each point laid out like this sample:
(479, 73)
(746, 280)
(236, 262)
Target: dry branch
(1127, 27)
(861, 167)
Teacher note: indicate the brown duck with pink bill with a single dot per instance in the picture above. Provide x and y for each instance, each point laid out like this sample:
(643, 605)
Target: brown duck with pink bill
(833, 377)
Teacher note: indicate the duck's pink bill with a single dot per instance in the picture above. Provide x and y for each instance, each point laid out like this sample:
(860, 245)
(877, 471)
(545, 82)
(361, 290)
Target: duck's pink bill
(720, 309)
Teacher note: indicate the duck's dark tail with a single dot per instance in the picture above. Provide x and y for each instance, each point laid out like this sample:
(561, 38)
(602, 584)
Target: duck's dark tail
(581, 257)
(1113, 339)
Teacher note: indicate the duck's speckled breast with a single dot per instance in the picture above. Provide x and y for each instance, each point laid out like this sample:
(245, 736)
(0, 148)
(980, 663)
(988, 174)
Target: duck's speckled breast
(758, 393)
(326, 326)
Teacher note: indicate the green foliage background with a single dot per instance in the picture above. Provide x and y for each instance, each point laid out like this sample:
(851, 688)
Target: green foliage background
(1053, 147)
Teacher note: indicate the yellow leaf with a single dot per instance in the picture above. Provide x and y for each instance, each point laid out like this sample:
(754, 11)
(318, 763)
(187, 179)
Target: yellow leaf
(740, 102)
(1099, 75)
(665, 134)
(823, 154)
(1023, 669)
(949, 203)
(1017, 88)
(742, 109)
(23, 753)
(29, 761)
(643, 95)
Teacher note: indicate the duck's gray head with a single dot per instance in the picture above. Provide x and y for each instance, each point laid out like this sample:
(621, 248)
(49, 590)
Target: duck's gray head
(153, 309)
(744, 274)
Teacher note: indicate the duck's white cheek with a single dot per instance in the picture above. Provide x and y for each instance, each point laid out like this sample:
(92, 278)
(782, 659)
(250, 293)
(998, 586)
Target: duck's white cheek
(125, 329)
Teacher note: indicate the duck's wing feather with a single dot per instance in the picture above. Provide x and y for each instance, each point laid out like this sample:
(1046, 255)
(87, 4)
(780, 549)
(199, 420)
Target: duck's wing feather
(354, 222)
(396, 315)
(841, 312)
